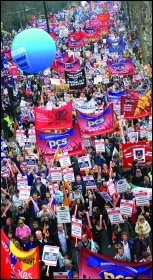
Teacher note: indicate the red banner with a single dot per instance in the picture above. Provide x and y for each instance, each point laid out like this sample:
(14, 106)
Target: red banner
(136, 108)
(17, 264)
(131, 151)
(60, 118)
(95, 266)
(70, 141)
(103, 17)
(76, 44)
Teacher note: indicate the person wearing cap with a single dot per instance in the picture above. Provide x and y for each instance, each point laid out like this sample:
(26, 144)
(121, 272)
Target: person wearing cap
(69, 268)
(22, 214)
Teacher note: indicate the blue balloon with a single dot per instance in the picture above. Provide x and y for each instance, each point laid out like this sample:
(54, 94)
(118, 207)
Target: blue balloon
(33, 50)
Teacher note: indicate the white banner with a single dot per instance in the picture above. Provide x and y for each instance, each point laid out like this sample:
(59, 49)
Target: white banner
(115, 216)
(63, 214)
(126, 207)
(87, 108)
(50, 255)
(76, 229)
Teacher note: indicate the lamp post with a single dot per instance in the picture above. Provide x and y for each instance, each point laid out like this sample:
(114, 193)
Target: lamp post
(45, 10)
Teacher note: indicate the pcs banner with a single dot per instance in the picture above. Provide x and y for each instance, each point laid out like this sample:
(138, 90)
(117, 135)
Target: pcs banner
(124, 67)
(92, 125)
(69, 141)
(95, 266)
(17, 264)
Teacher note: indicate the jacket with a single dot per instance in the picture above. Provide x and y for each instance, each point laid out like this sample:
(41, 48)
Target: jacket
(56, 240)
(42, 244)
(42, 193)
(131, 247)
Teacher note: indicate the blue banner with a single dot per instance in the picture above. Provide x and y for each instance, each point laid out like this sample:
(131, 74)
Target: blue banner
(116, 45)
(115, 96)
(4, 63)
(95, 266)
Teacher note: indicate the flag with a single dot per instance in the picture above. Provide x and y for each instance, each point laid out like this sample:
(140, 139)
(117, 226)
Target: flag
(57, 152)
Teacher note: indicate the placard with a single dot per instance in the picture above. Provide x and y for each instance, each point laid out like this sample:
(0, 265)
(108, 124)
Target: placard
(50, 255)
(148, 190)
(126, 207)
(86, 142)
(100, 146)
(64, 160)
(149, 135)
(56, 174)
(68, 175)
(5, 172)
(24, 194)
(133, 137)
(63, 214)
(60, 275)
(115, 215)
(22, 182)
(121, 185)
(105, 196)
(84, 162)
(20, 134)
(111, 188)
(21, 141)
(89, 182)
(53, 188)
(27, 144)
(32, 138)
(31, 161)
(76, 228)
(141, 198)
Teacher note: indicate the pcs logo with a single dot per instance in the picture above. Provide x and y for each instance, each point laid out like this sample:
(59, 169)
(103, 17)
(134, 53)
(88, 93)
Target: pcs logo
(124, 273)
(97, 122)
(54, 144)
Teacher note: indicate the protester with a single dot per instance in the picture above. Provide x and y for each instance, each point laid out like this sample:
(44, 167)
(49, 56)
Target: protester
(91, 185)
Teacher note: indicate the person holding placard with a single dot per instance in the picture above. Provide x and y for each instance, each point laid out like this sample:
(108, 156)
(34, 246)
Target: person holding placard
(41, 241)
(32, 208)
(40, 188)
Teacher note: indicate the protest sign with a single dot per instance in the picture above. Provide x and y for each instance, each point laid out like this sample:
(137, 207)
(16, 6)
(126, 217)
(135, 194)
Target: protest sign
(63, 214)
(86, 142)
(89, 182)
(21, 141)
(111, 188)
(23, 165)
(121, 185)
(24, 193)
(27, 144)
(56, 174)
(115, 216)
(133, 137)
(60, 275)
(50, 255)
(126, 207)
(19, 135)
(5, 172)
(100, 145)
(64, 160)
(141, 198)
(84, 162)
(32, 138)
(105, 196)
(68, 175)
(148, 190)
(22, 182)
(31, 161)
(76, 229)
(52, 188)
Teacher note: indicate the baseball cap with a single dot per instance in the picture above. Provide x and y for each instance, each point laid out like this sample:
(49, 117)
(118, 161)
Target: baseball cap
(20, 208)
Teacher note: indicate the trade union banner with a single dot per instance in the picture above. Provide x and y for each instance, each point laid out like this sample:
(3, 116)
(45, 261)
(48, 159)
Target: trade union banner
(62, 57)
(131, 151)
(124, 67)
(59, 118)
(70, 141)
(115, 96)
(76, 44)
(87, 108)
(76, 80)
(70, 66)
(136, 108)
(116, 45)
(17, 264)
(96, 124)
(95, 266)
